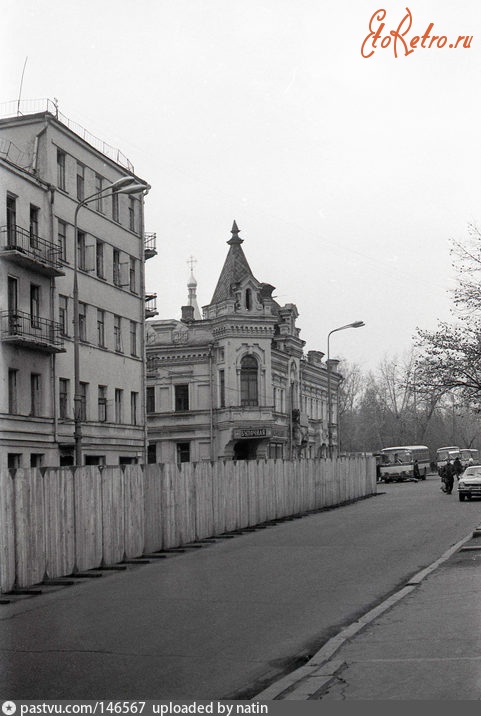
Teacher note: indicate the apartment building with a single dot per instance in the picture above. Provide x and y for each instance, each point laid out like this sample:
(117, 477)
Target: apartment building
(236, 383)
(72, 296)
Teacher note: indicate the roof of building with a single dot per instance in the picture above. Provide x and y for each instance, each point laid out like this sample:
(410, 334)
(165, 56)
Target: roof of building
(235, 269)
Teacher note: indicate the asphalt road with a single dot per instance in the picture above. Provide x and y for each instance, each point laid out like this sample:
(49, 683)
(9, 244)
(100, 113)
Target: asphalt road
(225, 621)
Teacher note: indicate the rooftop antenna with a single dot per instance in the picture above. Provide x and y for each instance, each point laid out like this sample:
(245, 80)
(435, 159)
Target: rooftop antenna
(21, 84)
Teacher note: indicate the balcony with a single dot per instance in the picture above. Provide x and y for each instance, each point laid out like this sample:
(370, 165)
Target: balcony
(40, 334)
(151, 305)
(150, 241)
(25, 249)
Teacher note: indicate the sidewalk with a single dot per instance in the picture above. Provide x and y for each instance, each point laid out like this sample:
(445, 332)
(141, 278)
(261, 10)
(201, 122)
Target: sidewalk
(424, 643)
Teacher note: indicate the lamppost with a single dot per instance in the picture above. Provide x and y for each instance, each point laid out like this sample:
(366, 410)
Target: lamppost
(356, 324)
(125, 185)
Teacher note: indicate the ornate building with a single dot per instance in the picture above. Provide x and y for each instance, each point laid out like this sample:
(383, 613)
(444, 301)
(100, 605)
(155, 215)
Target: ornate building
(236, 383)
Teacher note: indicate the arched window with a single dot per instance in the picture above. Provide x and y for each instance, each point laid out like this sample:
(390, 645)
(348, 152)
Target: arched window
(248, 299)
(248, 380)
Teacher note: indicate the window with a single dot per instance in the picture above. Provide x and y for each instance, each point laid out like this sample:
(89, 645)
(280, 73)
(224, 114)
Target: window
(63, 391)
(35, 305)
(102, 403)
(80, 181)
(12, 391)
(62, 240)
(222, 388)
(183, 452)
(99, 259)
(118, 405)
(83, 401)
(12, 294)
(132, 276)
(63, 314)
(116, 267)
(95, 459)
(98, 188)
(82, 321)
(276, 451)
(248, 299)
(101, 328)
(81, 251)
(11, 221)
(34, 394)
(151, 399)
(181, 397)
(115, 206)
(118, 333)
(36, 459)
(133, 338)
(14, 460)
(151, 453)
(34, 212)
(133, 407)
(132, 214)
(61, 169)
(248, 381)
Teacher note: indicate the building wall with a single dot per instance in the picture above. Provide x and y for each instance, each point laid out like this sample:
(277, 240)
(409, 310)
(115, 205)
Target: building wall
(118, 293)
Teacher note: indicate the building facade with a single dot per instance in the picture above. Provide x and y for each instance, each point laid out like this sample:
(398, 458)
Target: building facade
(71, 287)
(236, 384)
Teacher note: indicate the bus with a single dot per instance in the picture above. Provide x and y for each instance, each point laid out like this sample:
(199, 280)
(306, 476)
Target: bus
(469, 457)
(397, 463)
(443, 454)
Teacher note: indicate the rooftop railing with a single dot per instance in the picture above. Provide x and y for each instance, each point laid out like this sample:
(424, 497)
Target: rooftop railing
(34, 106)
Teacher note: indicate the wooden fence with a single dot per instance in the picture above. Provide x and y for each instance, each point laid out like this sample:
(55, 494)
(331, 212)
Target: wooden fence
(63, 520)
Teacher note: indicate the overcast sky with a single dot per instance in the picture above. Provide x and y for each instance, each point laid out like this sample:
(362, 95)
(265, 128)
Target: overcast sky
(347, 176)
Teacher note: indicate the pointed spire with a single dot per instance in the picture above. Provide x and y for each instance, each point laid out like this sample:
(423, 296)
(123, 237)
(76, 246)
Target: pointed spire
(192, 290)
(236, 239)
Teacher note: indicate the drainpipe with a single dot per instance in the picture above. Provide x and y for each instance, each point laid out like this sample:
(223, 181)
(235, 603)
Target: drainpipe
(211, 409)
(142, 329)
(35, 147)
(53, 362)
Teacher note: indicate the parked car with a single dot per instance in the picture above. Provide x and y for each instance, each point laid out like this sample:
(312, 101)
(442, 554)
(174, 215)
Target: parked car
(469, 484)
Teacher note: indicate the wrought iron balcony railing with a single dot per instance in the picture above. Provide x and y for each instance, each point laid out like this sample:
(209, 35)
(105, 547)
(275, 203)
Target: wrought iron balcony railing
(151, 305)
(150, 241)
(33, 332)
(21, 246)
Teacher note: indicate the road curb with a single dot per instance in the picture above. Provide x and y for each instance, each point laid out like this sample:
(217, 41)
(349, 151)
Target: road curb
(303, 683)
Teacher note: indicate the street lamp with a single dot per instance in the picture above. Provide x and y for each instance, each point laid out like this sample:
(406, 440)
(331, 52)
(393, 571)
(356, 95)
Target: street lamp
(125, 185)
(356, 324)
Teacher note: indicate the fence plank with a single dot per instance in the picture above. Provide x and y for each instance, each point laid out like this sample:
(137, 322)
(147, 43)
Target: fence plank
(133, 510)
(113, 515)
(88, 518)
(153, 477)
(7, 532)
(29, 527)
(59, 522)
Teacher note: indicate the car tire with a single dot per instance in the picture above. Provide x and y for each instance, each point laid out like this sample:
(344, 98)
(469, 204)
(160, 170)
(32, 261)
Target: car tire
(461, 498)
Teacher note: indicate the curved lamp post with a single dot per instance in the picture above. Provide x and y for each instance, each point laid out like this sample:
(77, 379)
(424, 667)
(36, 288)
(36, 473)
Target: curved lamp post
(125, 185)
(356, 324)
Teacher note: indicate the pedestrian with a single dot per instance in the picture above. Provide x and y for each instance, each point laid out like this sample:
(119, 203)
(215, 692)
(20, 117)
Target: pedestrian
(449, 477)
(457, 467)
(416, 473)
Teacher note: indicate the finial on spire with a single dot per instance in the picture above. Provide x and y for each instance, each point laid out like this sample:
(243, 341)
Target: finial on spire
(236, 239)
(191, 261)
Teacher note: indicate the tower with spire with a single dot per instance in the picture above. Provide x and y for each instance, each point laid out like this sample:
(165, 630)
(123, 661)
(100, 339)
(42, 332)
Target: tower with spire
(192, 290)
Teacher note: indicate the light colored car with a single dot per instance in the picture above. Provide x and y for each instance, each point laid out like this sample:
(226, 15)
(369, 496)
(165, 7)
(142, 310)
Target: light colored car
(469, 484)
